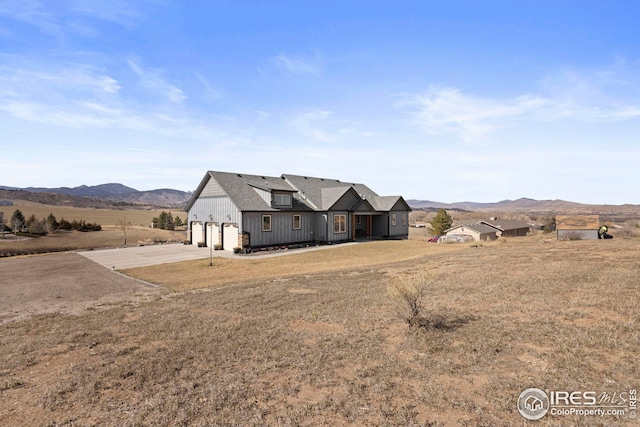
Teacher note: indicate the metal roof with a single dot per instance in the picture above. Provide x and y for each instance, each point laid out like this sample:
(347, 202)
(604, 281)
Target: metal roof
(506, 224)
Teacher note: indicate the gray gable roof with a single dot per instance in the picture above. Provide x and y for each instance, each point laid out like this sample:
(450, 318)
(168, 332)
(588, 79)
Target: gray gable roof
(241, 190)
(309, 193)
(320, 191)
(329, 196)
(313, 190)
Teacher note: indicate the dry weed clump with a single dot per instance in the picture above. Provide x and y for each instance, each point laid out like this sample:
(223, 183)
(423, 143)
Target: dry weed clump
(408, 295)
(626, 232)
(571, 235)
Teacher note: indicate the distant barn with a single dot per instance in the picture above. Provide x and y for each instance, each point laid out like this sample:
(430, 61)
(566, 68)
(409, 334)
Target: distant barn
(577, 227)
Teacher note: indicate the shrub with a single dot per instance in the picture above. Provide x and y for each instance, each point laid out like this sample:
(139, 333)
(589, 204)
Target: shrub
(571, 235)
(408, 297)
(84, 226)
(626, 232)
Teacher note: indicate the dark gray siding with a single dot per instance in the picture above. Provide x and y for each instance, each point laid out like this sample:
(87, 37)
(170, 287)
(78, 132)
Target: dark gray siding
(322, 222)
(399, 229)
(282, 231)
(381, 225)
(336, 237)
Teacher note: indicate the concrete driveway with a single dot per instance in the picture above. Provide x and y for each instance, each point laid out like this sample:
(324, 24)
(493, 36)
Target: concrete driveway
(140, 256)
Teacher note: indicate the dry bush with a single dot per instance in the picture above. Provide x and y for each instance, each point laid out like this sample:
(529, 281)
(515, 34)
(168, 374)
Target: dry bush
(626, 232)
(408, 296)
(571, 235)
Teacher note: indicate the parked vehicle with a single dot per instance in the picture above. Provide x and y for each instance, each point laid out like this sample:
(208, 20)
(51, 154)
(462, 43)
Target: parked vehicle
(455, 238)
(434, 239)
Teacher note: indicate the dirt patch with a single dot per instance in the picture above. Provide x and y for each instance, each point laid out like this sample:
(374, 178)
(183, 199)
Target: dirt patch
(554, 315)
(61, 283)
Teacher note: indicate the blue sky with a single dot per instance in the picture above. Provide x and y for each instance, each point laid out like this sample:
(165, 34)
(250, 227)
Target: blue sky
(439, 100)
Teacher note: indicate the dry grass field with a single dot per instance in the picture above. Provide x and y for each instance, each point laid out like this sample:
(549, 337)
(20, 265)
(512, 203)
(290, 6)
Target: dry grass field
(140, 217)
(313, 339)
(73, 240)
(198, 274)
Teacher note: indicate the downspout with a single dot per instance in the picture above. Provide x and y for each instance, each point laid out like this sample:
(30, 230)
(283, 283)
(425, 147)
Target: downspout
(327, 225)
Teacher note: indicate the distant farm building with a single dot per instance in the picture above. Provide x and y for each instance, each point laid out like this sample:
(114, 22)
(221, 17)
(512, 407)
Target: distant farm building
(577, 227)
(491, 229)
(508, 227)
(478, 232)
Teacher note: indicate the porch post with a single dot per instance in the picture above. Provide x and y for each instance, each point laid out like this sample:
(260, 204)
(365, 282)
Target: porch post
(353, 226)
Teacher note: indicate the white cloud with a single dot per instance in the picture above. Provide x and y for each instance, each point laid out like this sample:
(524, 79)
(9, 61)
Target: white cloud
(309, 124)
(62, 19)
(297, 64)
(152, 81)
(568, 98)
(445, 109)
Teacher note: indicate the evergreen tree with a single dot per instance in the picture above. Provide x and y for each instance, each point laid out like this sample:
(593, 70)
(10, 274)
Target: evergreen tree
(165, 221)
(64, 225)
(51, 223)
(440, 223)
(177, 222)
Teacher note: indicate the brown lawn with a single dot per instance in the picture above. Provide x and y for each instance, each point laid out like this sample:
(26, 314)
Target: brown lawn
(320, 344)
(199, 274)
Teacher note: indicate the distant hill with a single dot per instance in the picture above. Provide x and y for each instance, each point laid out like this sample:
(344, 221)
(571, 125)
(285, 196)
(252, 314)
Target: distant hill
(529, 205)
(92, 195)
(114, 194)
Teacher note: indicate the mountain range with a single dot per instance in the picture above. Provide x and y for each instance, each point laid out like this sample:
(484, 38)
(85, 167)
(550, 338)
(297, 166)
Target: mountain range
(118, 194)
(528, 205)
(112, 192)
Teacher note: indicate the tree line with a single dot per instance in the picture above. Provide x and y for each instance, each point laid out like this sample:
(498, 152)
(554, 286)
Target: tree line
(41, 227)
(166, 221)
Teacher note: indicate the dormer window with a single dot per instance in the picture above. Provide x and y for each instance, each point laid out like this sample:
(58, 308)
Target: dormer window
(281, 200)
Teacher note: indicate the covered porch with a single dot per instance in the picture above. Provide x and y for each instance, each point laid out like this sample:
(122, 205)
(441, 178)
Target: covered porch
(367, 225)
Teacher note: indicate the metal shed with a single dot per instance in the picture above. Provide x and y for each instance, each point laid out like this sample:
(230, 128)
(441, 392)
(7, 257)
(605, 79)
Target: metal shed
(577, 227)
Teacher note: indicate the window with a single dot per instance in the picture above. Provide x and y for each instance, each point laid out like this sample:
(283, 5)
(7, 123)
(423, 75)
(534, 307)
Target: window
(297, 222)
(393, 219)
(339, 223)
(281, 199)
(266, 222)
(404, 219)
(359, 219)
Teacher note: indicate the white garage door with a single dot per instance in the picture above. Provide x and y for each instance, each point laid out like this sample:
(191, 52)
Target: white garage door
(213, 234)
(230, 237)
(196, 233)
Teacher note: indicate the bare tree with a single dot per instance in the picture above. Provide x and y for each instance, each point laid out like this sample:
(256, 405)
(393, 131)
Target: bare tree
(124, 226)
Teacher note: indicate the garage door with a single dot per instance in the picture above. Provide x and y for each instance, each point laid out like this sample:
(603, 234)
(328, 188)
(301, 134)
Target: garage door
(213, 234)
(196, 233)
(230, 237)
